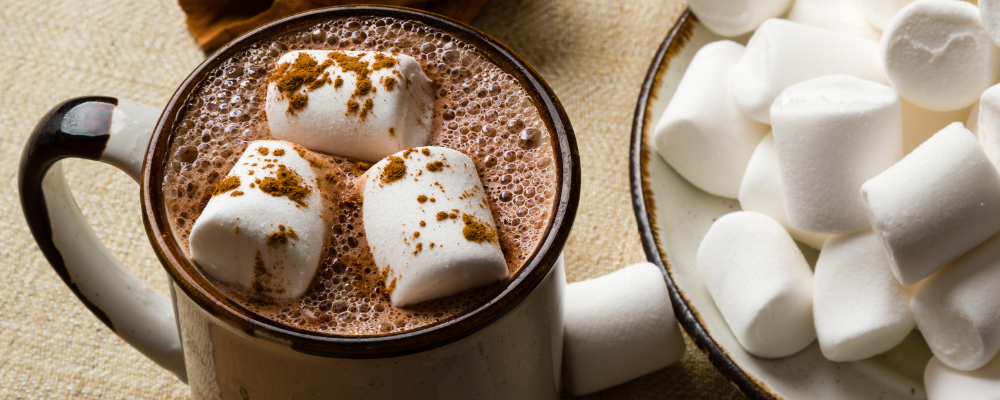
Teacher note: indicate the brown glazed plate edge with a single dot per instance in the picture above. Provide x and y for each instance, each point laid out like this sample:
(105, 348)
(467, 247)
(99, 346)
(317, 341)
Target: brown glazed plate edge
(645, 214)
(185, 275)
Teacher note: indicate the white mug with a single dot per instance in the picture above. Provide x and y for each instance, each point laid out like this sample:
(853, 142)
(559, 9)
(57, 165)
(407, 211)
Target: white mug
(509, 348)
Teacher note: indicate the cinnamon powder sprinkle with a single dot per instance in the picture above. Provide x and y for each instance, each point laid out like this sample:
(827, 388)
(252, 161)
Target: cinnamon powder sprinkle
(421, 198)
(352, 106)
(425, 151)
(279, 152)
(263, 151)
(226, 185)
(285, 183)
(423, 224)
(303, 72)
(338, 82)
(420, 246)
(392, 132)
(394, 170)
(441, 215)
(476, 231)
(236, 194)
(435, 166)
(369, 104)
(381, 61)
(389, 83)
(280, 236)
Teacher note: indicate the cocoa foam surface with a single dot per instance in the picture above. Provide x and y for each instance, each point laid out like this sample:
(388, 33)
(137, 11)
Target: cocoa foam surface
(479, 110)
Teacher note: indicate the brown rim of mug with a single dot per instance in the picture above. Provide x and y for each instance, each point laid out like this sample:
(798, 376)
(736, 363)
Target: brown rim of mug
(645, 209)
(187, 277)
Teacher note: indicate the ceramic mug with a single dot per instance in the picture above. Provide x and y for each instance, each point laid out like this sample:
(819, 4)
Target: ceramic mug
(510, 347)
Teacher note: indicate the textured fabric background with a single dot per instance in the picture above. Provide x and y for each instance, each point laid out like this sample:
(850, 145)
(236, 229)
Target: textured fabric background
(593, 53)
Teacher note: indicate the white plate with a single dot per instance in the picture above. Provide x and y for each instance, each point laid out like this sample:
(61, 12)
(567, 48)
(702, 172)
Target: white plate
(673, 217)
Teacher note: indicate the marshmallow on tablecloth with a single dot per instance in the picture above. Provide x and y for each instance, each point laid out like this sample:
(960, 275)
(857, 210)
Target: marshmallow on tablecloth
(958, 308)
(920, 124)
(860, 309)
(935, 204)
(736, 17)
(358, 104)
(761, 283)
(619, 327)
(761, 191)
(838, 15)
(262, 229)
(989, 123)
(782, 53)
(429, 225)
(832, 134)
(938, 56)
(702, 133)
(879, 12)
(946, 383)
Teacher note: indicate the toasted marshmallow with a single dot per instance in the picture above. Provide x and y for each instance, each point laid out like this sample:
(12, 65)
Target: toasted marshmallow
(429, 225)
(938, 55)
(356, 104)
(262, 229)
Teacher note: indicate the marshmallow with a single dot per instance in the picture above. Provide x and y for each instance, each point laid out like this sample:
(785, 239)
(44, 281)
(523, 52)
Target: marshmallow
(861, 310)
(938, 56)
(920, 124)
(736, 17)
(972, 122)
(989, 11)
(879, 12)
(946, 383)
(429, 225)
(958, 309)
(938, 202)
(618, 327)
(263, 228)
(838, 15)
(832, 133)
(702, 133)
(989, 123)
(782, 53)
(341, 119)
(761, 191)
(761, 283)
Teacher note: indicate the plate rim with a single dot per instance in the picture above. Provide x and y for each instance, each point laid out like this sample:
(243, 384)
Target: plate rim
(644, 208)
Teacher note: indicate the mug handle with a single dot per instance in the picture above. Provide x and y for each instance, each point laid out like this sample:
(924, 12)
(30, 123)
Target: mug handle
(116, 132)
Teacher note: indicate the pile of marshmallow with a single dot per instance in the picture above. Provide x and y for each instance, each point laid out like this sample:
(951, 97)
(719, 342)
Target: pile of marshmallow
(263, 229)
(850, 140)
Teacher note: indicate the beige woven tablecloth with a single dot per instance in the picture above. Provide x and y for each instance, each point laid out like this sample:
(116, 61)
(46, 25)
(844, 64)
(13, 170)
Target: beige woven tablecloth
(593, 53)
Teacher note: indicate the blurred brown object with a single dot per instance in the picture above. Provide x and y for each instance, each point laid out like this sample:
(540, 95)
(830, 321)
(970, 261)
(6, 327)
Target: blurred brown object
(215, 22)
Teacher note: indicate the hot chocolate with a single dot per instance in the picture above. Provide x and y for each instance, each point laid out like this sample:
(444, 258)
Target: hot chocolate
(479, 110)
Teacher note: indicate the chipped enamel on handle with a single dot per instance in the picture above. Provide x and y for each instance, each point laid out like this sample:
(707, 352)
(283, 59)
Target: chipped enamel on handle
(116, 132)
